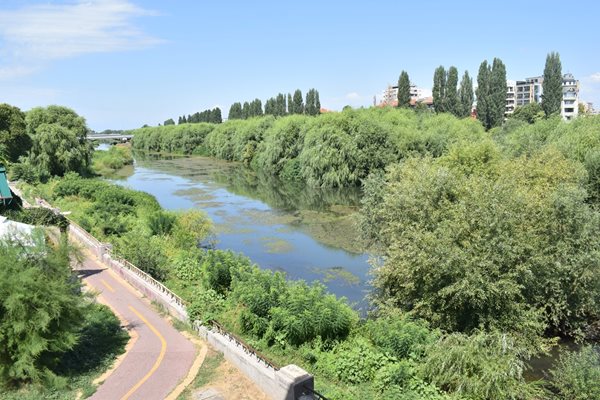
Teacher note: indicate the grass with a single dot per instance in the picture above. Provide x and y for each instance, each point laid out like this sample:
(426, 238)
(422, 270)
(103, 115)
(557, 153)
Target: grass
(206, 374)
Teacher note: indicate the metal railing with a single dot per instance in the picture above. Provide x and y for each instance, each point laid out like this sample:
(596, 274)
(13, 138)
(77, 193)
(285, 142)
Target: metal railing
(83, 232)
(245, 346)
(147, 278)
(314, 393)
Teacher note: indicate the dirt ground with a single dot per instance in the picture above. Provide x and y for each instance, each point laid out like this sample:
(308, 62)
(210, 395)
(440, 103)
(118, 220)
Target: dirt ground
(226, 380)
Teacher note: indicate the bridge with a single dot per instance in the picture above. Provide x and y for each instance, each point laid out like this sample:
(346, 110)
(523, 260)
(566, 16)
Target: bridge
(120, 137)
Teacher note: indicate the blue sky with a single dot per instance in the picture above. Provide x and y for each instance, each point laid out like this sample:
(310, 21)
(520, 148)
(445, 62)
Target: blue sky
(125, 63)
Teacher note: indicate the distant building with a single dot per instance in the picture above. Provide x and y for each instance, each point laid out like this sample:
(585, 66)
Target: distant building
(531, 90)
(510, 97)
(569, 106)
(528, 91)
(389, 97)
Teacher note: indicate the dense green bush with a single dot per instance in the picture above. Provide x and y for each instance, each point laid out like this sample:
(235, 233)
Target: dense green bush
(499, 245)
(108, 161)
(217, 268)
(161, 222)
(400, 336)
(576, 376)
(183, 139)
(481, 366)
(356, 361)
(144, 252)
(281, 145)
(41, 311)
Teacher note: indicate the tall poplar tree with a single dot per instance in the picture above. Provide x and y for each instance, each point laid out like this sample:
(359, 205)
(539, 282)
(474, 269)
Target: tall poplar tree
(451, 95)
(404, 90)
(280, 106)
(483, 94)
(270, 106)
(246, 110)
(552, 85)
(498, 89)
(290, 105)
(439, 89)
(317, 102)
(235, 112)
(465, 96)
(215, 116)
(298, 107)
(309, 104)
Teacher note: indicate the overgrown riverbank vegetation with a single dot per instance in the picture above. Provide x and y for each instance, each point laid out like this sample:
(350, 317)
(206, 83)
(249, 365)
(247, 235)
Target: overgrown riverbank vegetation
(107, 162)
(330, 150)
(487, 243)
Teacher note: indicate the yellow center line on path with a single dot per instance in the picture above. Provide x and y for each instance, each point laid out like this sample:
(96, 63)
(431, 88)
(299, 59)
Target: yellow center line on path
(163, 350)
(107, 285)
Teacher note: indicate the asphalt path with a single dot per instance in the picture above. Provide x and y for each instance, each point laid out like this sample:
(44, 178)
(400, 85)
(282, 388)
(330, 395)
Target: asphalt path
(160, 357)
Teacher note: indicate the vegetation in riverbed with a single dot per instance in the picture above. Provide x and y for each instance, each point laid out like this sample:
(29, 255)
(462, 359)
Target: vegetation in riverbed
(108, 162)
(338, 273)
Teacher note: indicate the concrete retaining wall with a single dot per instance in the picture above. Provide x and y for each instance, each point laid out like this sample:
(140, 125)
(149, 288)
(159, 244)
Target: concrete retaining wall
(290, 382)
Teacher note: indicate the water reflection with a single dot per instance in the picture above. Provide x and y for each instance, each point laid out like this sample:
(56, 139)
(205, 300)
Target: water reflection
(309, 233)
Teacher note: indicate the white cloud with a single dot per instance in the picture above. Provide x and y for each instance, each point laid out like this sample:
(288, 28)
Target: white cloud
(353, 96)
(15, 72)
(38, 33)
(595, 77)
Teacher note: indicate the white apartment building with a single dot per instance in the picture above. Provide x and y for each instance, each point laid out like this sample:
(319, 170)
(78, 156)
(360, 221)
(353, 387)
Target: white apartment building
(389, 96)
(510, 97)
(569, 106)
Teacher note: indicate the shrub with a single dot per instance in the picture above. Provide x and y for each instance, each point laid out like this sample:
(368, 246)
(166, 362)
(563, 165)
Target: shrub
(354, 361)
(143, 252)
(218, 266)
(400, 336)
(161, 222)
(482, 366)
(576, 376)
(307, 312)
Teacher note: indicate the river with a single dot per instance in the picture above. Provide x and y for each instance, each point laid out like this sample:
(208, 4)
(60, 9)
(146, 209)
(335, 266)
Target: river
(308, 233)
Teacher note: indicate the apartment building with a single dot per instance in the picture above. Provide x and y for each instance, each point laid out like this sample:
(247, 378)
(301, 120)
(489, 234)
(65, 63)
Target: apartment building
(389, 97)
(530, 90)
(569, 106)
(510, 97)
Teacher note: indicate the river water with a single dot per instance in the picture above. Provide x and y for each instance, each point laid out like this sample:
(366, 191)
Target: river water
(309, 234)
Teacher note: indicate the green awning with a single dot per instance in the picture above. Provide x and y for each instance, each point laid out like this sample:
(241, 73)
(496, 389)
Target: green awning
(5, 194)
